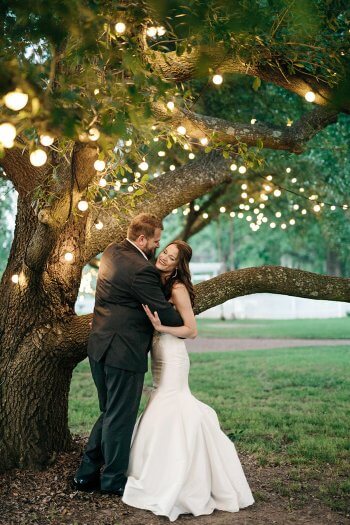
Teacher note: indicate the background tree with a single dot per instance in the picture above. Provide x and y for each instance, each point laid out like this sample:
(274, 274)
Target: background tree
(103, 92)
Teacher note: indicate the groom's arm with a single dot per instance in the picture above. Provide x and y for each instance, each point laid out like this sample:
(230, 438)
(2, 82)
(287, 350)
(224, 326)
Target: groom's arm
(146, 288)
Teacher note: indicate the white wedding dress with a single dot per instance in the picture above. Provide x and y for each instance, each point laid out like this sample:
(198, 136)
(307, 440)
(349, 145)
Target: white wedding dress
(180, 460)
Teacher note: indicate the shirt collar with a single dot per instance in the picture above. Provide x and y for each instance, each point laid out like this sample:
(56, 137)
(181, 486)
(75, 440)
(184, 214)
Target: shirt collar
(137, 248)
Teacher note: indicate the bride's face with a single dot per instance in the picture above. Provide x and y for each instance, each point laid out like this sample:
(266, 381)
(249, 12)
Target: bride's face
(168, 258)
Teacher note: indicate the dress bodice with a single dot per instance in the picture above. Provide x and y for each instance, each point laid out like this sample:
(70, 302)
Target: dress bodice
(170, 362)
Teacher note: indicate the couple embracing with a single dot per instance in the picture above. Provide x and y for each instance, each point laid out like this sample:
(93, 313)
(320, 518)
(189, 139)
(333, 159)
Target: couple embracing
(174, 459)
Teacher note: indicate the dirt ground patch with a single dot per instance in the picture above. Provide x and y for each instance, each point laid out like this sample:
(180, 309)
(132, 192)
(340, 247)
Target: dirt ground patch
(46, 498)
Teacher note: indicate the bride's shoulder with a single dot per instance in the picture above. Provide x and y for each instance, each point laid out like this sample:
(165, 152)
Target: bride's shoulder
(179, 286)
(179, 290)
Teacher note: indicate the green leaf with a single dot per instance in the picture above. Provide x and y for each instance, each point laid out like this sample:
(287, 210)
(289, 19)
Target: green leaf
(256, 83)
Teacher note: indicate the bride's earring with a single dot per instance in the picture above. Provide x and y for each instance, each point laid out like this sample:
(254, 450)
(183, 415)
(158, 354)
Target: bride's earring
(175, 274)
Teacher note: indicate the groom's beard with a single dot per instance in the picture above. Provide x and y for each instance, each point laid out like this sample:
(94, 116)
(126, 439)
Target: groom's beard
(150, 253)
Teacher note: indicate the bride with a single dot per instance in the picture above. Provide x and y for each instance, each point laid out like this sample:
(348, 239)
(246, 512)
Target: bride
(180, 460)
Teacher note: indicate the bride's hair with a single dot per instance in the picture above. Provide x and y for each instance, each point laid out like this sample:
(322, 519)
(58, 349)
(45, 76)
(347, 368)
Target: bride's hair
(182, 274)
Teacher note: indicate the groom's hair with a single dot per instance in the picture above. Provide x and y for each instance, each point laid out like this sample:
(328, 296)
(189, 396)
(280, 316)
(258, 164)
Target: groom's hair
(143, 224)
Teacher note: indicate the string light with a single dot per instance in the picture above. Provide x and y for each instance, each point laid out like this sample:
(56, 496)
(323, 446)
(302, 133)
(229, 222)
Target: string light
(253, 120)
(161, 153)
(161, 31)
(170, 105)
(151, 31)
(272, 225)
(96, 91)
(232, 214)
(233, 167)
(217, 79)
(288, 170)
(46, 140)
(99, 165)
(222, 209)
(277, 193)
(38, 157)
(196, 207)
(99, 225)
(242, 169)
(128, 142)
(83, 205)
(94, 134)
(102, 182)
(143, 165)
(204, 141)
(191, 156)
(7, 134)
(205, 215)
(16, 100)
(181, 130)
(15, 278)
(120, 28)
(172, 167)
(68, 256)
(310, 96)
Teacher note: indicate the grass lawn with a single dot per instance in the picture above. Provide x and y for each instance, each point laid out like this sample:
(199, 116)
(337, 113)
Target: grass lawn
(336, 328)
(288, 408)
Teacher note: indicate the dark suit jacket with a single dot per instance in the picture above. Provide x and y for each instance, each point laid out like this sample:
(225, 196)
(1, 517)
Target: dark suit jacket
(121, 331)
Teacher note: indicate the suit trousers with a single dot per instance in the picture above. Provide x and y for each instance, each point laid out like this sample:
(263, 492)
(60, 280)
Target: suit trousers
(119, 394)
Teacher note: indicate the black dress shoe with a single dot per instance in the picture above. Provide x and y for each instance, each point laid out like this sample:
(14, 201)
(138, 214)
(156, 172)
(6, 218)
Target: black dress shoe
(86, 485)
(116, 492)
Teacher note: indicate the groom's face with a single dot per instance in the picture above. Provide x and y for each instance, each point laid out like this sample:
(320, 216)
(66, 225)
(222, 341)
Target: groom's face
(152, 243)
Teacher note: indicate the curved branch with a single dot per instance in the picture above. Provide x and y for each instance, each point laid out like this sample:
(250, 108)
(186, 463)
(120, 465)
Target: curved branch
(171, 190)
(291, 139)
(18, 169)
(188, 66)
(270, 279)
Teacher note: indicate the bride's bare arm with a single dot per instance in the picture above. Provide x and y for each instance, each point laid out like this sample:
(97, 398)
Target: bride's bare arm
(181, 300)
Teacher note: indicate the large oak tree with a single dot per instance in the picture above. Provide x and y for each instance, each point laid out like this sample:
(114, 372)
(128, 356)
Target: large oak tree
(102, 92)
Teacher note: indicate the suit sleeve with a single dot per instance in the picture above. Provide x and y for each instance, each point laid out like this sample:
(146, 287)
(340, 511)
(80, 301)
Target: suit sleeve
(146, 288)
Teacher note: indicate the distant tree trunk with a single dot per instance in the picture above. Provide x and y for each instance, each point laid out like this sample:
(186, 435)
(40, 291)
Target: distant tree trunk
(333, 264)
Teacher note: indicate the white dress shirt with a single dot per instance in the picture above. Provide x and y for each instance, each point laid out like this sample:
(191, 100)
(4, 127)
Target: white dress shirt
(139, 249)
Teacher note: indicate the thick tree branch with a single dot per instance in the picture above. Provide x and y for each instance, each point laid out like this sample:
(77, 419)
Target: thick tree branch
(291, 138)
(189, 65)
(270, 279)
(171, 190)
(18, 169)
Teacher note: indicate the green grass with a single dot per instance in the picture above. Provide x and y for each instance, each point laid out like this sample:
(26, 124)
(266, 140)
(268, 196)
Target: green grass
(285, 407)
(337, 328)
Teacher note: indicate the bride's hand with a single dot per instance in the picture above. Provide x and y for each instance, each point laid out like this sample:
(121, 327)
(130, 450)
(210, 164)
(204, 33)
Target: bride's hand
(153, 318)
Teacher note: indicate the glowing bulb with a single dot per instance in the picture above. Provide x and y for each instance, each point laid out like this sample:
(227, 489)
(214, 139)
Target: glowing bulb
(301, 190)
(161, 153)
(303, 212)
(283, 226)
(120, 28)
(7, 134)
(38, 157)
(191, 156)
(46, 140)
(333, 208)
(15, 100)
(248, 218)
(143, 165)
(317, 208)
(295, 206)
(98, 225)
(205, 215)
(233, 167)
(267, 187)
(175, 211)
(181, 130)
(15, 278)
(99, 165)
(242, 169)
(217, 79)
(117, 186)
(345, 207)
(96, 91)
(261, 205)
(310, 96)
(186, 147)
(222, 209)
(170, 105)
(288, 170)
(244, 186)
(83, 205)
(69, 256)
(172, 167)
(130, 189)
(244, 195)
(253, 120)
(269, 177)
(204, 141)
(240, 215)
(272, 225)
(278, 214)
(94, 134)
(161, 31)
(151, 31)
(196, 207)
(232, 214)
(292, 221)
(277, 193)
(128, 142)
(103, 182)
(293, 181)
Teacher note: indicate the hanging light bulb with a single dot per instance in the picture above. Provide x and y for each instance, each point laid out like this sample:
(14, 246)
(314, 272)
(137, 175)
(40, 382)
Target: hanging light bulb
(98, 225)
(317, 208)
(128, 143)
(102, 182)
(94, 134)
(143, 165)
(191, 156)
(161, 30)
(233, 167)
(310, 96)
(242, 169)
(15, 278)
(16, 100)
(7, 134)
(222, 209)
(204, 141)
(120, 28)
(172, 167)
(99, 165)
(46, 140)
(277, 193)
(151, 31)
(38, 157)
(272, 225)
(161, 153)
(83, 205)
(205, 215)
(217, 79)
(232, 214)
(170, 105)
(68, 256)
(181, 130)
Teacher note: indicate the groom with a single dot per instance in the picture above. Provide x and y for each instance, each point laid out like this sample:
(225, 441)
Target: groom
(119, 341)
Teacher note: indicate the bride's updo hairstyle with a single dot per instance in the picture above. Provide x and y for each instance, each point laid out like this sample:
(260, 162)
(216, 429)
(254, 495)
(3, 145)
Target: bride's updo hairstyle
(182, 274)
